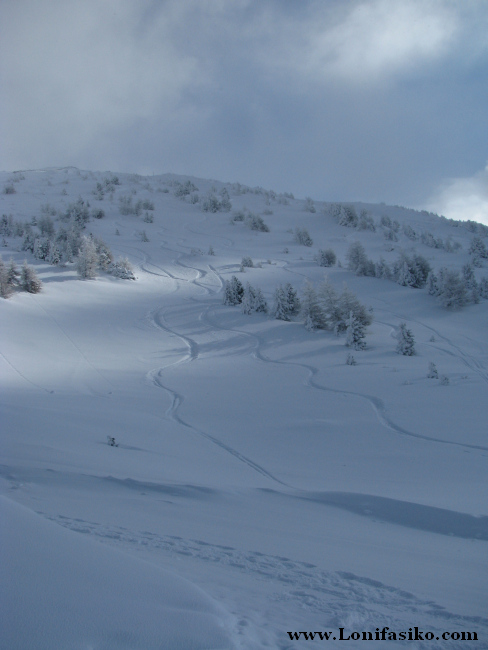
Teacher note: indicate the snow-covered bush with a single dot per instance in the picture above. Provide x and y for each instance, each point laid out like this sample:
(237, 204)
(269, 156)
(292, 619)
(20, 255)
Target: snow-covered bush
(348, 216)
(255, 222)
(302, 237)
(444, 380)
(184, 189)
(366, 221)
(350, 360)
(406, 341)
(122, 268)
(9, 189)
(325, 257)
(247, 262)
(29, 280)
(309, 205)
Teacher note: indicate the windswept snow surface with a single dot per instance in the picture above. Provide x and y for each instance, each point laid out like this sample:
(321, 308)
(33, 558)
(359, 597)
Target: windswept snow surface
(260, 485)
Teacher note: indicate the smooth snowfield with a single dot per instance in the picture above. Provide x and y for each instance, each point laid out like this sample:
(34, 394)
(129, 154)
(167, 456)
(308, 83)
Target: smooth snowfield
(260, 485)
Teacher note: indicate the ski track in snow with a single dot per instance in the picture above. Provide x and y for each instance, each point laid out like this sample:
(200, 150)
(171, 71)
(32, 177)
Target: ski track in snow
(296, 586)
(475, 365)
(376, 403)
(155, 377)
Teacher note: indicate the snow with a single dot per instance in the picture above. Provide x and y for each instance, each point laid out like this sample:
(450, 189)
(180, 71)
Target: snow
(260, 485)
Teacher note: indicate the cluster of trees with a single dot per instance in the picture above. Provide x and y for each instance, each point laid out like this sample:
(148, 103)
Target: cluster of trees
(11, 279)
(217, 203)
(454, 289)
(68, 243)
(407, 270)
(321, 308)
(107, 186)
(127, 206)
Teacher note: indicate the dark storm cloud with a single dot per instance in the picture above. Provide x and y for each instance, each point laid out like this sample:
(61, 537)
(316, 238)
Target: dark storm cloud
(365, 99)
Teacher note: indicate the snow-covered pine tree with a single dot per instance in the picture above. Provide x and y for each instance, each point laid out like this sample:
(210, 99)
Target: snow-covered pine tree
(348, 302)
(13, 275)
(355, 333)
(233, 291)
(54, 254)
(329, 304)
(29, 280)
(311, 311)
(280, 306)
(432, 371)
(253, 300)
(87, 263)
(406, 341)
(292, 300)
(5, 288)
(452, 292)
(122, 268)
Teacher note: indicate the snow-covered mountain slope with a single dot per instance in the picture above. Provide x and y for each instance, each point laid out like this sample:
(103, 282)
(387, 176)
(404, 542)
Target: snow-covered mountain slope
(258, 484)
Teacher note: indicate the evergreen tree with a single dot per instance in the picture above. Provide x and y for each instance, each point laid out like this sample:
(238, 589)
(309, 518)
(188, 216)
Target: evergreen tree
(29, 280)
(432, 372)
(355, 333)
(88, 260)
(233, 291)
(452, 291)
(329, 304)
(406, 341)
(5, 288)
(253, 300)
(12, 275)
(311, 310)
(54, 254)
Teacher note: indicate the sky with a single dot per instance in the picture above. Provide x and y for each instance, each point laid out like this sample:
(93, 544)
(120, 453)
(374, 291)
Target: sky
(340, 100)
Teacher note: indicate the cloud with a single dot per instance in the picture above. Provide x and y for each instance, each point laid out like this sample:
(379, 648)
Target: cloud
(463, 198)
(361, 42)
(74, 70)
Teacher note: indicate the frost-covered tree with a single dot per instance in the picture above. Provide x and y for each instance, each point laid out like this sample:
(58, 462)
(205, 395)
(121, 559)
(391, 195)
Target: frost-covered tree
(29, 280)
(233, 291)
(302, 237)
(247, 262)
(478, 248)
(432, 371)
(348, 302)
(355, 333)
(406, 341)
(54, 254)
(452, 293)
(122, 268)
(311, 310)
(348, 216)
(6, 286)
(309, 205)
(88, 261)
(325, 257)
(286, 303)
(253, 300)
(357, 260)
